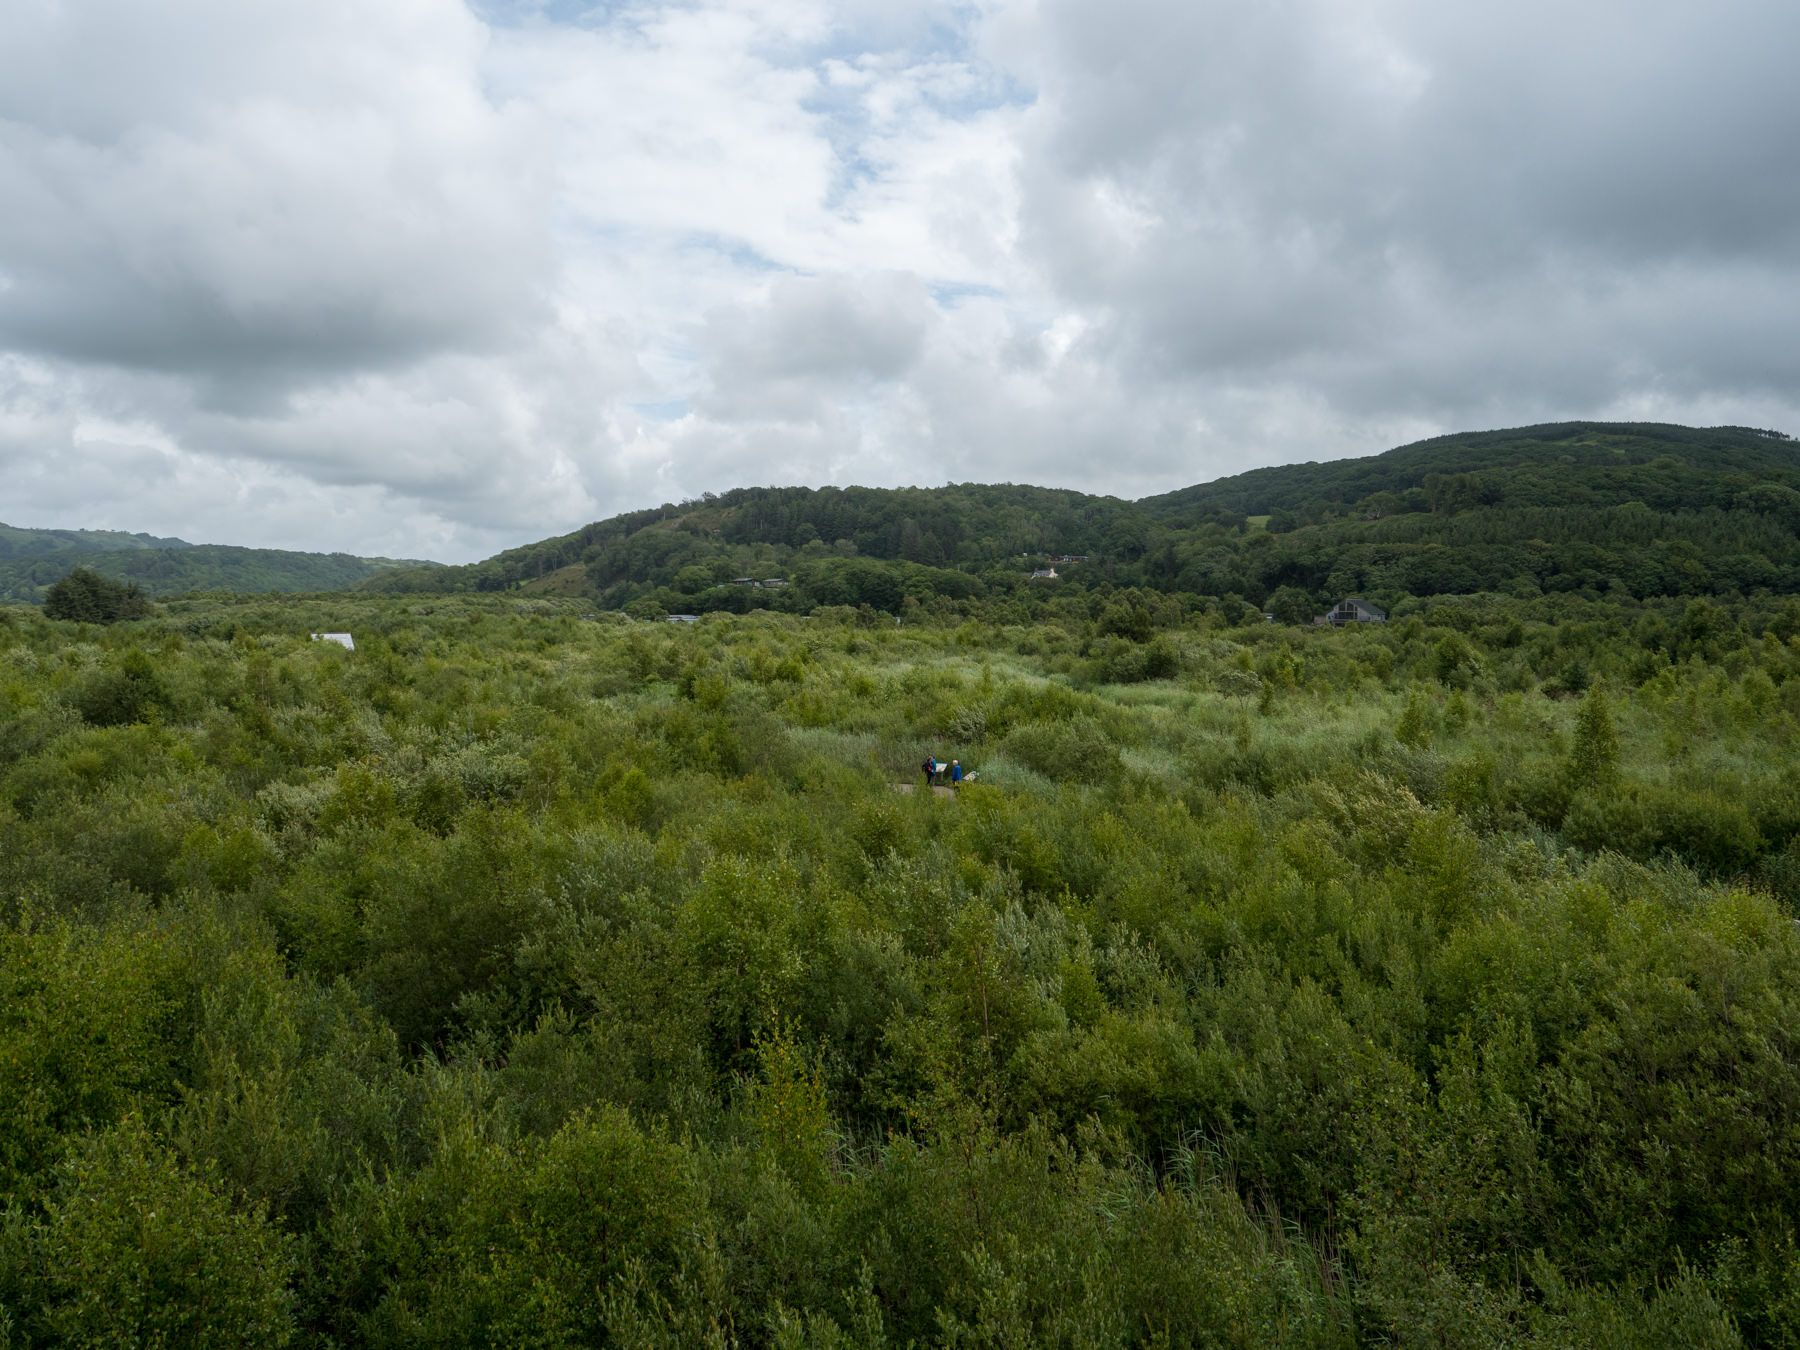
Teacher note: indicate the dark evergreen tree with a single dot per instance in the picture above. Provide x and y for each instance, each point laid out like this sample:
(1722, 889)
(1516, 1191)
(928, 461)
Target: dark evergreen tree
(87, 597)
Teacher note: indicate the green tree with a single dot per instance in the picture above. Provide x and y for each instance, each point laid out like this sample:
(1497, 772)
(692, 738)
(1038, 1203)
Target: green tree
(88, 597)
(1414, 728)
(1594, 759)
(1290, 604)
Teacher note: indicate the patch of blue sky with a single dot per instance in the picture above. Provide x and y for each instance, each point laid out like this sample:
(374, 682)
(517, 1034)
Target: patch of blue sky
(968, 90)
(568, 13)
(524, 13)
(734, 251)
(671, 411)
(915, 37)
(963, 90)
(950, 294)
(850, 172)
(629, 239)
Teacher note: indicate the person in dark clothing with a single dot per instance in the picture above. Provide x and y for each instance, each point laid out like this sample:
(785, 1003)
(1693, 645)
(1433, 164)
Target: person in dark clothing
(930, 768)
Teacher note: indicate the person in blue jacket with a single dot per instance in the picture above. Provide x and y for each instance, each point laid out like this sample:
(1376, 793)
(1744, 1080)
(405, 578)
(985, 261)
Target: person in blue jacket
(956, 773)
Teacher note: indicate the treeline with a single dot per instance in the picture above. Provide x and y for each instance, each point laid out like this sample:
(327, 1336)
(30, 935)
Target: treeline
(759, 532)
(1587, 509)
(1573, 463)
(19, 542)
(526, 977)
(191, 567)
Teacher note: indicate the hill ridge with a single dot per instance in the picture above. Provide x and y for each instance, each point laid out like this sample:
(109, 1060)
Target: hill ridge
(1652, 508)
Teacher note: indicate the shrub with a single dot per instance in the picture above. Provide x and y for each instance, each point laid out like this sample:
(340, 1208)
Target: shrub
(1074, 751)
(136, 1248)
(130, 692)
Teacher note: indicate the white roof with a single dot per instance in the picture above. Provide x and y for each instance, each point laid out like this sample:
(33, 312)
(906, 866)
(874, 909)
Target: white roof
(342, 639)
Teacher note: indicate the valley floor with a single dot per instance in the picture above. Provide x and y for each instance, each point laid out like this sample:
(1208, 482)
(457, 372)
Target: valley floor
(529, 977)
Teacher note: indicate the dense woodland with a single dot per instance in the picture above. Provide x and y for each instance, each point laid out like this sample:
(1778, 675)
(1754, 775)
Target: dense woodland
(537, 975)
(1587, 509)
(32, 561)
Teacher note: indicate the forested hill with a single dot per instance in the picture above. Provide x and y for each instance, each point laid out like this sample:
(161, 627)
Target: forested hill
(953, 533)
(170, 566)
(1668, 468)
(19, 542)
(1589, 508)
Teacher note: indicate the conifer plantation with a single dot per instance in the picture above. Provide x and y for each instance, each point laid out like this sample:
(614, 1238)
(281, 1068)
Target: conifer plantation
(537, 975)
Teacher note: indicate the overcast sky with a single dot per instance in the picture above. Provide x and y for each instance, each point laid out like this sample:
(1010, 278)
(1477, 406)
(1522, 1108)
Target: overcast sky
(431, 278)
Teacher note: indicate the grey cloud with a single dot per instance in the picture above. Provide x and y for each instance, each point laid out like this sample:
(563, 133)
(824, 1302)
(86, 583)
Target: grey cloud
(813, 338)
(221, 191)
(383, 278)
(1411, 204)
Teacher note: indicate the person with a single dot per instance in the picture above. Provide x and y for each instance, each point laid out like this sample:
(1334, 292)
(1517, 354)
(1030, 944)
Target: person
(930, 767)
(956, 773)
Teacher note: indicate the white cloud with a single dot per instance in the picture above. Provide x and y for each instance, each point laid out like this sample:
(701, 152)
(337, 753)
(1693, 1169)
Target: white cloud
(417, 278)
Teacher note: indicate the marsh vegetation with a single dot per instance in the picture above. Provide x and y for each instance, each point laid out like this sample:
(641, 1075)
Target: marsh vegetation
(526, 976)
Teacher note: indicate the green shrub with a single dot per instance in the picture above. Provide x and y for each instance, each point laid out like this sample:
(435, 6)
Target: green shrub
(128, 692)
(1075, 751)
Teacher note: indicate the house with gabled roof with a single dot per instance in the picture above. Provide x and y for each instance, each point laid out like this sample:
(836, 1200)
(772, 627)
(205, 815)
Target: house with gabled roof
(1351, 609)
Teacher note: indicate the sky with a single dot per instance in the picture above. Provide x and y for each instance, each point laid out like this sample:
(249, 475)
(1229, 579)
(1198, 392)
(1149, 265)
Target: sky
(431, 278)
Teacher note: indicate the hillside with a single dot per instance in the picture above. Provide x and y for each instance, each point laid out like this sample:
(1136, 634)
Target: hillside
(938, 540)
(1646, 510)
(32, 560)
(1558, 464)
(19, 542)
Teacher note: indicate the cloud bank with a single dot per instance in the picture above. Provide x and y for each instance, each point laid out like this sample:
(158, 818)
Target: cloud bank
(423, 278)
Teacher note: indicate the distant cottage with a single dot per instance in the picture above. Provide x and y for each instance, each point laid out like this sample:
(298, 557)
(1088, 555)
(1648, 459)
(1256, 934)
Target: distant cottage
(684, 618)
(342, 639)
(1351, 610)
(1047, 573)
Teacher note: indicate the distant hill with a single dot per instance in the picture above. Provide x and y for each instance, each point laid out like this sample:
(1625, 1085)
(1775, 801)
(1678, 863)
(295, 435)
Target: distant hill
(1643, 510)
(16, 542)
(1567, 464)
(954, 532)
(31, 560)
